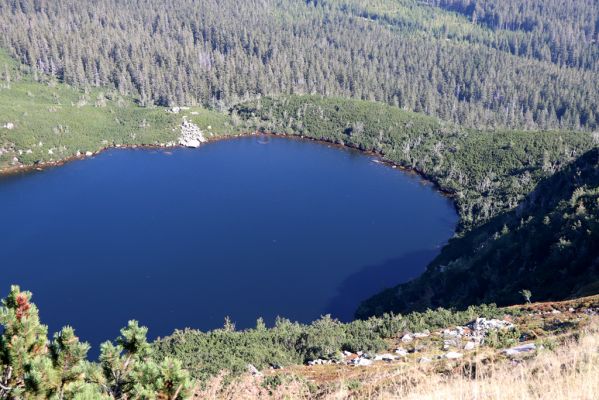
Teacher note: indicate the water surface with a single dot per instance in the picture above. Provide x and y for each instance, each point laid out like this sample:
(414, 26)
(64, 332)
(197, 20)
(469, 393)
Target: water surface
(242, 228)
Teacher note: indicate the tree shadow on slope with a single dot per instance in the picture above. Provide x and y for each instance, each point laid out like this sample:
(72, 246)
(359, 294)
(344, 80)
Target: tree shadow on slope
(549, 244)
(371, 279)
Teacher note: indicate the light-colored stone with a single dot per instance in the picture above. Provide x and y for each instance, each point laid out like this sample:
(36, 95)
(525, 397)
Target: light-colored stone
(420, 335)
(253, 370)
(401, 352)
(9, 125)
(452, 355)
(363, 362)
(407, 338)
(191, 135)
(424, 360)
(525, 348)
(89, 154)
(469, 346)
(384, 357)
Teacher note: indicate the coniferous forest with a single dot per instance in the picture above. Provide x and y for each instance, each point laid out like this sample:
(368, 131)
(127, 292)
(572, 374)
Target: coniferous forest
(484, 63)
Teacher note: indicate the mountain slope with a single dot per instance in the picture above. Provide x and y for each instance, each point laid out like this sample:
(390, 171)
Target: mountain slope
(549, 245)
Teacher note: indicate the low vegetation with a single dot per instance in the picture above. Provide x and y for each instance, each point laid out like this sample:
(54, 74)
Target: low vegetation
(206, 354)
(563, 364)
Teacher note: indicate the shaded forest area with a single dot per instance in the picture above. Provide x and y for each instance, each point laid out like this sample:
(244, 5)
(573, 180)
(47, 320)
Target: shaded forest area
(487, 63)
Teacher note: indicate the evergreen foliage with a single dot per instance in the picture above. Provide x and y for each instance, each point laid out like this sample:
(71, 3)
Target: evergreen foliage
(32, 368)
(206, 354)
(526, 64)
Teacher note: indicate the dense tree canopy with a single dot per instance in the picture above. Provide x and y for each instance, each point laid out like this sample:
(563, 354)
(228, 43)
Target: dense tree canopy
(518, 63)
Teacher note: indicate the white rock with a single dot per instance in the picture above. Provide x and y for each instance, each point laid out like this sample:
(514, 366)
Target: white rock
(28, 151)
(470, 346)
(9, 125)
(424, 360)
(401, 352)
(89, 154)
(50, 151)
(407, 338)
(420, 335)
(483, 324)
(347, 353)
(253, 370)
(384, 357)
(452, 355)
(191, 135)
(175, 110)
(363, 362)
(525, 348)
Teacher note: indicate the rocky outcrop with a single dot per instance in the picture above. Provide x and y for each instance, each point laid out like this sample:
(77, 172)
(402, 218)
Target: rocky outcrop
(191, 135)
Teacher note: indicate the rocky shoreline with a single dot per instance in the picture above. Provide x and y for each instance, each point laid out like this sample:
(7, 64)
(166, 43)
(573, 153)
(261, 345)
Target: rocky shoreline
(193, 137)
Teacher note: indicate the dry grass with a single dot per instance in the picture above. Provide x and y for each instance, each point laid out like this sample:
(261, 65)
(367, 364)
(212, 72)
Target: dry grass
(570, 371)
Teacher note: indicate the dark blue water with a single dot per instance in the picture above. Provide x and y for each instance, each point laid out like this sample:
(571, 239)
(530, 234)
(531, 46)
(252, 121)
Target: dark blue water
(237, 228)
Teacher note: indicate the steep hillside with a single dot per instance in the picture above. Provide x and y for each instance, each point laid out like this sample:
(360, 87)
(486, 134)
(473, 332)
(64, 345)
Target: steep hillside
(549, 245)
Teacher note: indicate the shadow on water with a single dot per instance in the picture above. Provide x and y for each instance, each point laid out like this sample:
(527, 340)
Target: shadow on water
(372, 279)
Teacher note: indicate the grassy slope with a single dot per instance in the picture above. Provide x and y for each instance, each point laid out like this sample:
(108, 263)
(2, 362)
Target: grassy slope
(53, 121)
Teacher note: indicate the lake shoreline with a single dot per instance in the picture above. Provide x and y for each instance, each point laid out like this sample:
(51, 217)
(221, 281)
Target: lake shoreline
(41, 166)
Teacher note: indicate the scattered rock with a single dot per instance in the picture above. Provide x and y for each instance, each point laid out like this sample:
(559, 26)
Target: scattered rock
(420, 335)
(424, 360)
(452, 355)
(401, 352)
(176, 110)
(483, 324)
(525, 348)
(469, 346)
(253, 370)
(362, 362)
(9, 126)
(191, 135)
(407, 338)
(89, 154)
(385, 357)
